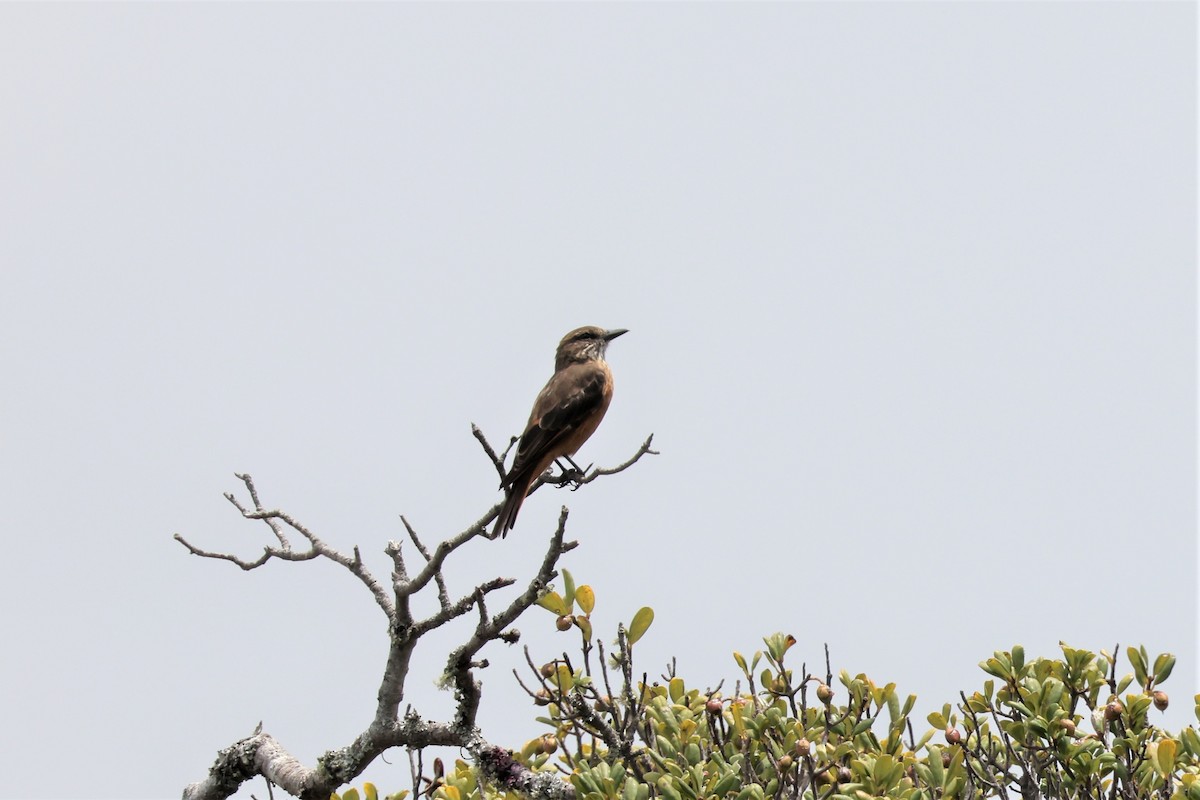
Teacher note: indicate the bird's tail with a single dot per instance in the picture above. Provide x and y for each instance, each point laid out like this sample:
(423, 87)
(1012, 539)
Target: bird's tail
(512, 504)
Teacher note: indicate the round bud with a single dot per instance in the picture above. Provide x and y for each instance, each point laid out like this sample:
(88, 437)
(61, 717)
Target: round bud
(1161, 701)
(542, 698)
(952, 735)
(785, 763)
(824, 693)
(844, 774)
(713, 706)
(1068, 725)
(945, 758)
(549, 670)
(564, 623)
(803, 748)
(549, 743)
(1113, 710)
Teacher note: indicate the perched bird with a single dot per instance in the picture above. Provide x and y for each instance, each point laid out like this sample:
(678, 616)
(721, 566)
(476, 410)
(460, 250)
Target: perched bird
(565, 413)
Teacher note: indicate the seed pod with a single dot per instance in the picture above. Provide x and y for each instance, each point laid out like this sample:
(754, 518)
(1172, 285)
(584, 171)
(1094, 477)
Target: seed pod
(952, 735)
(1113, 710)
(824, 693)
(1161, 701)
(549, 743)
(803, 748)
(564, 623)
(714, 706)
(541, 698)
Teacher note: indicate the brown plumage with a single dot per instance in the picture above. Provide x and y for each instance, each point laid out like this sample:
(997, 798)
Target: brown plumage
(565, 413)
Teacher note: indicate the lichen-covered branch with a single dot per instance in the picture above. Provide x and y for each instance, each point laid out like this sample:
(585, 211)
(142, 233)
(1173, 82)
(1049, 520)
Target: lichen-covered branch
(458, 667)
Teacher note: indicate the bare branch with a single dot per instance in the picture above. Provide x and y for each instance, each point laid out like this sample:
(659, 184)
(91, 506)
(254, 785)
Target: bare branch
(497, 461)
(443, 595)
(571, 478)
(261, 754)
(643, 450)
(285, 552)
(246, 479)
(268, 553)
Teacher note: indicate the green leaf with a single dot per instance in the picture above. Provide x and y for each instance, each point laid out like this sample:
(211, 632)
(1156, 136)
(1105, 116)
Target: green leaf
(936, 770)
(727, 783)
(586, 598)
(350, 794)
(584, 624)
(640, 624)
(993, 667)
(666, 787)
(1163, 666)
(924, 740)
(1191, 740)
(370, 792)
(568, 589)
(1054, 690)
(1138, 663)
(778, 644)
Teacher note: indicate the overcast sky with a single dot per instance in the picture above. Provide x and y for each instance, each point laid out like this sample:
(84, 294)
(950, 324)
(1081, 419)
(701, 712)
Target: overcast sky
(911, 294)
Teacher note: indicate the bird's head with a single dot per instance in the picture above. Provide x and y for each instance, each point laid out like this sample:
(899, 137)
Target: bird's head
(584, 344)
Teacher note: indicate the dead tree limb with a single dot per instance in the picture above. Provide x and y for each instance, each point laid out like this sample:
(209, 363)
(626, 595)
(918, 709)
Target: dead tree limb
(261, 754)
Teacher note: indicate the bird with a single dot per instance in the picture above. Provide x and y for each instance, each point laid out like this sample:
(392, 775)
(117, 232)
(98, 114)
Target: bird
(566, 412)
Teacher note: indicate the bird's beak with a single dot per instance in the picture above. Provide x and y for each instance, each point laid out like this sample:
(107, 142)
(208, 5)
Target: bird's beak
(614, 333)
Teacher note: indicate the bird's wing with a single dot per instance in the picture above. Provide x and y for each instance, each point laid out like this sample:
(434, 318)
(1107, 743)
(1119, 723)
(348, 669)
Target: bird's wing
(570, 398)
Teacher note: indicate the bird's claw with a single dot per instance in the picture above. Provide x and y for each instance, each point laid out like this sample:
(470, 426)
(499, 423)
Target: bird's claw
(572, 476)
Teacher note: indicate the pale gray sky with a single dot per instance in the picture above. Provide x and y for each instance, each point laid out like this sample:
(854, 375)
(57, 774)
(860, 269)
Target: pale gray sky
(911, 291)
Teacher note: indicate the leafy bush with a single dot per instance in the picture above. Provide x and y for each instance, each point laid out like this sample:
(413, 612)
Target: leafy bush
(1065, 727)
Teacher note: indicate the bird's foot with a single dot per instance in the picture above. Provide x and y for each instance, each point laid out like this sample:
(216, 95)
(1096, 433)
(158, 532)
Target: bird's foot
(571, 476)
